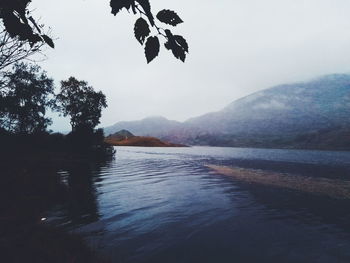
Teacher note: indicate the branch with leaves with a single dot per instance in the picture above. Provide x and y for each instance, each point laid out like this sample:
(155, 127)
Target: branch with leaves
(19, 23)
(175, 43)
(13, 50)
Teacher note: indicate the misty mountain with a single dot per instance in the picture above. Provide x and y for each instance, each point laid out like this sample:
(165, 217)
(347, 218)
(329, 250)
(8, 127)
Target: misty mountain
(319, 104)
(281, 115)
(151, 126)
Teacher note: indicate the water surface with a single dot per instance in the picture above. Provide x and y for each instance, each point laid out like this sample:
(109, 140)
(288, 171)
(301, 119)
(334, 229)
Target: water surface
(166, 205)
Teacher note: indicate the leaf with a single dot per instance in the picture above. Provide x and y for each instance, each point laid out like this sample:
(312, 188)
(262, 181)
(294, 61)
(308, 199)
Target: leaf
(179, 53)
(33, 39)
(182, 42)
(167, 45)
(146, 6)
(118, 5)
(48, 41)
(31, 19)
(177, 49)
(141, 30)
(169, 17)
(152, 48)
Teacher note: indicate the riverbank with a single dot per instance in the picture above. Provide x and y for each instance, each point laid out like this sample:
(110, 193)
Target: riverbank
(141, 141)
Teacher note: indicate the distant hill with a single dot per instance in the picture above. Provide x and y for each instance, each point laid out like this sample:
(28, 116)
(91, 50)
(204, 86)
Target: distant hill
(126, 138)
(314, 114)
(151, 126)
(121, 135)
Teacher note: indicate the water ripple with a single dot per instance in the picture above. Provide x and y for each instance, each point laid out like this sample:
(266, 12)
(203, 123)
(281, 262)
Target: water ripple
(165, 205)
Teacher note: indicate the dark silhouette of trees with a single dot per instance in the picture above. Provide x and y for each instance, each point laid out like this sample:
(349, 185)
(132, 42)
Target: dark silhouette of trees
(79, 101)
(20, 25)
(25, 98)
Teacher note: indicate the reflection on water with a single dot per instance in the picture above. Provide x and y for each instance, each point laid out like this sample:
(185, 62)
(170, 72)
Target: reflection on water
(81, 207)
(165, 205)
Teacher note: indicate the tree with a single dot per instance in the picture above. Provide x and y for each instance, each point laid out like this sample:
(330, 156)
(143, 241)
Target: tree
(19, 23)
(25, 98)
(79, 101)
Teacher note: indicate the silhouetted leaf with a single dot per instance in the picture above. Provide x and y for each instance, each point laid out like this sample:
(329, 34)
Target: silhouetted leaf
(12, 24)
(33, 39)
(141, 30)
(146, 6)
(118, 5)
(182, 42)
(167, 45)
(152, 48)
(178, 52)
(31, 19)
(48, 41)
(176, 48)
(169, 17)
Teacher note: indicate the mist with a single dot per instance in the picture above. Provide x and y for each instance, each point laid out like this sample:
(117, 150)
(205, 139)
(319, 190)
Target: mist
(236, 48)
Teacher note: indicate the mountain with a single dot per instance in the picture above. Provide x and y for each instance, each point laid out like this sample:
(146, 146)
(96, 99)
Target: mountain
(319, 104)
(312, 114)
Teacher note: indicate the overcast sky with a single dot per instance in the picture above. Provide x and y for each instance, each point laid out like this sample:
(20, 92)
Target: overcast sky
(237, 47)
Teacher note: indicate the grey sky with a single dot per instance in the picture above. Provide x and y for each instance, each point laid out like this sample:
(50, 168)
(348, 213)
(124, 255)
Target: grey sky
(236, 47)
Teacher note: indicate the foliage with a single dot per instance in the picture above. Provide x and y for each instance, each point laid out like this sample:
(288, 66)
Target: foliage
(25, 98)
(175, 43)
(13, 50)
(20, 25)
(79, 101)
(20, 35)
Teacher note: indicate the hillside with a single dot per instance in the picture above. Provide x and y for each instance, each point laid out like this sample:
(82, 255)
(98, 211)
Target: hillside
(319, 104)
(126, 138)
(151, 126)
(121, 135)
(312, 114)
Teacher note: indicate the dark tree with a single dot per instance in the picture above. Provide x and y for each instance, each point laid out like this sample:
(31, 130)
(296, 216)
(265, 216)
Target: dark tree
(20, 24)
(79, 101)
(25, 98)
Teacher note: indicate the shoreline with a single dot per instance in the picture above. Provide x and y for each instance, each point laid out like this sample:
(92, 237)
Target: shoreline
(141, 141)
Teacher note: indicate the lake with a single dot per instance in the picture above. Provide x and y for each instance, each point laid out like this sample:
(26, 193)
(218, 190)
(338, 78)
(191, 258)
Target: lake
(166, 205)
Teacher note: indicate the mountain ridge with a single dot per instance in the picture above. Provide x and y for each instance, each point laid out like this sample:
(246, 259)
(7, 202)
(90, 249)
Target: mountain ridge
(283, 113)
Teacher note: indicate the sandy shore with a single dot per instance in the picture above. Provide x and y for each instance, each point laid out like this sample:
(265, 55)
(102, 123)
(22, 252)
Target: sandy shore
(334, 188)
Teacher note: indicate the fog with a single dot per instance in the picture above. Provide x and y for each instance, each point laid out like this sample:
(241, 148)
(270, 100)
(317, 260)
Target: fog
(237, 47)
